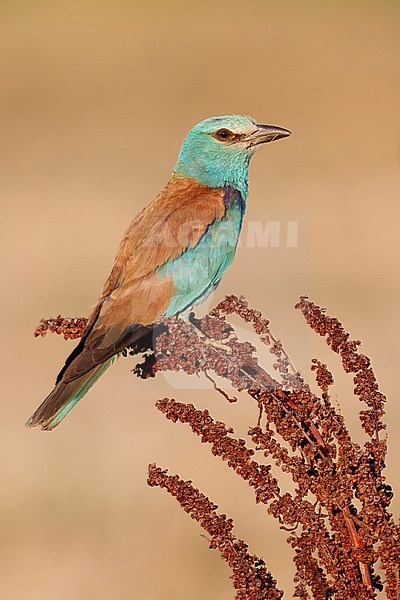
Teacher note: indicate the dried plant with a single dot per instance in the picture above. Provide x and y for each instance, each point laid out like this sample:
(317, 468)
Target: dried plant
(338, 518)
(69, 328)
(250, 575)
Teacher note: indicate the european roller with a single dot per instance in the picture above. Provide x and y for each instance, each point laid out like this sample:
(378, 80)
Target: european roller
(172, 256)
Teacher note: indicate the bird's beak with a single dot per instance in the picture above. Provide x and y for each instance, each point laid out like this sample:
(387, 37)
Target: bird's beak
(266, 133)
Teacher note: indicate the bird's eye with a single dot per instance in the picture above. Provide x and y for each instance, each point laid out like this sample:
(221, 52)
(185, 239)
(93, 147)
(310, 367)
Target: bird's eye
(224, 135)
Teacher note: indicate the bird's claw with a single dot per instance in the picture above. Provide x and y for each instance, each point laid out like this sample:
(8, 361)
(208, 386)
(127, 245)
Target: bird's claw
(220, 344)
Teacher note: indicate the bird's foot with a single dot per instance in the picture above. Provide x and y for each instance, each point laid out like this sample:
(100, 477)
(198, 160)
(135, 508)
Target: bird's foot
(220, 344)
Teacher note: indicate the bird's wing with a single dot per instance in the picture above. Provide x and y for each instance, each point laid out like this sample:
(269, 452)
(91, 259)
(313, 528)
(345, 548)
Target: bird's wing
(135, 295)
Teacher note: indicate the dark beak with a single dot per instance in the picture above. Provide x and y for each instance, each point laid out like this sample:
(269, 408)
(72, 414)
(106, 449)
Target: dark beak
(267, 133)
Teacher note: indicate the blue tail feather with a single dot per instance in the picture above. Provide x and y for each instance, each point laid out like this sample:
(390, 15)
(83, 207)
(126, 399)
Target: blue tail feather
(64, 397)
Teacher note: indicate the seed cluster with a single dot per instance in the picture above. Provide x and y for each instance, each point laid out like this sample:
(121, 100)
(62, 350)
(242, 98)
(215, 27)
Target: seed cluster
(251, 579)
(70, 328)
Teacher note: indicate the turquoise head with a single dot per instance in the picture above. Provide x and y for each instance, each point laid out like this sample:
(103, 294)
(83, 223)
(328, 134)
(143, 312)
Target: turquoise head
(217, 151)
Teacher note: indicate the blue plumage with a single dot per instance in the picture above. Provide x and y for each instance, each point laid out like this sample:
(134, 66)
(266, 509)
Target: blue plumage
(197, 272)
(214, 162)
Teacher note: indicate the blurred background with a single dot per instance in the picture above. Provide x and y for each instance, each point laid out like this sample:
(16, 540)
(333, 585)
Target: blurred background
(95, 99)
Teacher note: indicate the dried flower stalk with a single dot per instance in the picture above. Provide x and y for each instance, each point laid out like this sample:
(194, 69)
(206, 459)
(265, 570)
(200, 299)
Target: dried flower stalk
(69, 327)
(251, 579)
(337, 546)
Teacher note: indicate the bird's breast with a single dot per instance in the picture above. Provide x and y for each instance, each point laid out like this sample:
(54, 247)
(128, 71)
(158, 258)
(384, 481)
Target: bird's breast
(197, 271)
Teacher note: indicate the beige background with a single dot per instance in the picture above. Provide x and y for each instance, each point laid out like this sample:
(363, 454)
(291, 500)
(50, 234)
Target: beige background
(95, 100)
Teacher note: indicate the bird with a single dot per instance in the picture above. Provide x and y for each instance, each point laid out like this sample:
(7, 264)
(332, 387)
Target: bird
(172, 256)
